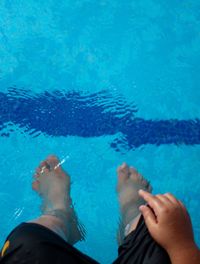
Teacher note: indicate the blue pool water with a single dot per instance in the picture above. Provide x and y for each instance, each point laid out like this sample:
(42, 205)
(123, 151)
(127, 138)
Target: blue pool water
(99, 82)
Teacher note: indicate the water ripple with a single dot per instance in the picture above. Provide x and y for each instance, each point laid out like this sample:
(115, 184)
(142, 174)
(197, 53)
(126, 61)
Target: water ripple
(74, 113)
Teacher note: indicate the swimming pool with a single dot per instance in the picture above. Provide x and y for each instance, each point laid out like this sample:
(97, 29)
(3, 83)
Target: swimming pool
(99, 83)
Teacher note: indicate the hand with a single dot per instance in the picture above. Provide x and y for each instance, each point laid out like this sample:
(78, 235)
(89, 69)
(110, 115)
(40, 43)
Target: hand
(167, 221)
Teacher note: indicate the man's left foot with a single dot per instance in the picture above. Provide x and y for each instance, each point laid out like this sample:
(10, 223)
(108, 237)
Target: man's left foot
(52, 183)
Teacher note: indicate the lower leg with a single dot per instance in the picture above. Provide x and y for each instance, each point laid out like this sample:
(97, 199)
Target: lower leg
(132, 225)
(129, 183)
(54, 224)
(58, 214)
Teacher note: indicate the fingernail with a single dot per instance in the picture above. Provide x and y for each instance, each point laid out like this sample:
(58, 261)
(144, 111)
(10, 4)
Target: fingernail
(141, 207)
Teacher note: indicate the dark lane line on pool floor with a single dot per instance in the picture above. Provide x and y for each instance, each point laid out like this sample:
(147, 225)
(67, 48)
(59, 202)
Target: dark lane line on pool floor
(73, 113)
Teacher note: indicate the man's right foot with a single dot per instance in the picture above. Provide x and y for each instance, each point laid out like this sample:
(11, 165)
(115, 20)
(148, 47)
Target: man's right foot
(129, 183)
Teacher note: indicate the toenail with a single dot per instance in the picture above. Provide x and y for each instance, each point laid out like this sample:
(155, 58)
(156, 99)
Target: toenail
(48, 166)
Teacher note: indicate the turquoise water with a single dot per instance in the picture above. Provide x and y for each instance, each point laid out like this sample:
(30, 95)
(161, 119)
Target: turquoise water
(146, 53)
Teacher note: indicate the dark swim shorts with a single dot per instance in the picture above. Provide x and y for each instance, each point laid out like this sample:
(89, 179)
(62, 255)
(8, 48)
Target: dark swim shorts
(36, 244)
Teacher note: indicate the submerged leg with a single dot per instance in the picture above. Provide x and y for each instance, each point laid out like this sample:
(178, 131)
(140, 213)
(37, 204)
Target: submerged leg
(129, 183)
(53, 185)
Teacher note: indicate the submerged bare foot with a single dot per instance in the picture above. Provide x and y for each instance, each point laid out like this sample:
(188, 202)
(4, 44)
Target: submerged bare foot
(129, 183)
(52, 183)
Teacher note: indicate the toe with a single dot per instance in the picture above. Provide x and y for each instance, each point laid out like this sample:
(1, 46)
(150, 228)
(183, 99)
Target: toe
(123, 174)
(123, 171)
(36, 176)
(137, 177)
(134, 175)
(149, 187)
(145, 183)
(53, 157)
(53, 161)
(43, 166)
(36, 185)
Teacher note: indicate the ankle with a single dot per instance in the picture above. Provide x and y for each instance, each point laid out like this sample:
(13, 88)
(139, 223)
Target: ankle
(131, 226)
(129, 215)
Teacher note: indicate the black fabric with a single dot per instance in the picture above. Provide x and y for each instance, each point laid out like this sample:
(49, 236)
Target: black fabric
(36, 244)
(140, 248)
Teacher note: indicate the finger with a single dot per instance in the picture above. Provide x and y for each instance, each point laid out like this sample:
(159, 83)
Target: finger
(165, 200)
(154, 202)
(145, 195)
(149, 217)
(150, 198)
(182, 205)
(171, 198)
